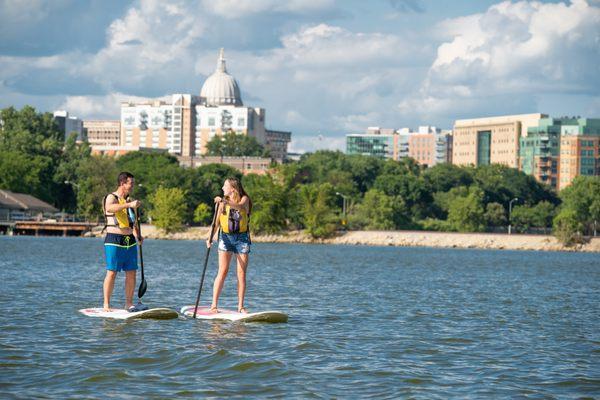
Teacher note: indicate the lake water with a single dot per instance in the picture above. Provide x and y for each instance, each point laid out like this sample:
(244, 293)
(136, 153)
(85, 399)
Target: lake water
(365, 322)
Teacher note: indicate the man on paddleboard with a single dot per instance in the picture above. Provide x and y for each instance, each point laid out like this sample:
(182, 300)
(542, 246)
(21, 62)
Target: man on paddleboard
(120, 243)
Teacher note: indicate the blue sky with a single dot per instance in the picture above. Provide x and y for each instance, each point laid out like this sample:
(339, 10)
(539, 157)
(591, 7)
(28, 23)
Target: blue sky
(321, 68)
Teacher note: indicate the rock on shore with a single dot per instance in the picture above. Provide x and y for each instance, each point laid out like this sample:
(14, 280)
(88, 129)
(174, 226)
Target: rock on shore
(397, 238)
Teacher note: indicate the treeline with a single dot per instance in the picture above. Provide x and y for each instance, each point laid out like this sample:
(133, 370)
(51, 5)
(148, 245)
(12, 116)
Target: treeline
(309, 194)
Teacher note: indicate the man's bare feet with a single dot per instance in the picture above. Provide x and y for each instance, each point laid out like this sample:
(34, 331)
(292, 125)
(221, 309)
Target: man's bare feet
(107, 308)
(214, 310)
(242, 310)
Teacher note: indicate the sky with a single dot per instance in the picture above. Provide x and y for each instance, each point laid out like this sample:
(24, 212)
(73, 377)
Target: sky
(320, 68)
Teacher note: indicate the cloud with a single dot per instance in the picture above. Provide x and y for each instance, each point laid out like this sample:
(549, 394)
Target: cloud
(513, 51)
(234, 9)
(305, 144)
(42, 28)
(357, 122)
(404, 6)
(96, 107)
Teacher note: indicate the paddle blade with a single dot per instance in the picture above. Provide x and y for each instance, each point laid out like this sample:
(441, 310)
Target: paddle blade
(142, 289)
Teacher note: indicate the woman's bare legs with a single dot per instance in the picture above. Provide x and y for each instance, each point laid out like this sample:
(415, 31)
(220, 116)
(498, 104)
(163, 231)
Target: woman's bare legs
(242, 265)
(224, 260)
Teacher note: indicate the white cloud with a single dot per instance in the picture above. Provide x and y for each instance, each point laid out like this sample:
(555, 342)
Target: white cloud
(357, 122)
(514, 50)
(24, 12)
(97, 107)
(232, 9)
(150, 45)
(305, 144)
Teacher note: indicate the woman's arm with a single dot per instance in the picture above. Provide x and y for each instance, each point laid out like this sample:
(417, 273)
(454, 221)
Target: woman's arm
(243, 204)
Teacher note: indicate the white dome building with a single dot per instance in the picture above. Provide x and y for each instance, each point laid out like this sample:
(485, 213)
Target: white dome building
(185, 123)
(220, 89)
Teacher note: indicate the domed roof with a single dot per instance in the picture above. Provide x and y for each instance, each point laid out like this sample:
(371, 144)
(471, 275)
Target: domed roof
(220, 89)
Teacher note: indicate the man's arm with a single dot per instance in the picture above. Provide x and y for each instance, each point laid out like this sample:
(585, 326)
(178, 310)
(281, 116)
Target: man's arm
(112, 206)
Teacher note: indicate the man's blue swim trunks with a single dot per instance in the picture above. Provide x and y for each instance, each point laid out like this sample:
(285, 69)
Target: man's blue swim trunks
(121, 252)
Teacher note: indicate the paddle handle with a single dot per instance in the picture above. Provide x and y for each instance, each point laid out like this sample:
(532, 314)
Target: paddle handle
(212, 232)
(139, 232)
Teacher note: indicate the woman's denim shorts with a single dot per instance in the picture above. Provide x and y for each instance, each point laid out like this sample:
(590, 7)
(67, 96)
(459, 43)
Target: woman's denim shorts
(238, 243)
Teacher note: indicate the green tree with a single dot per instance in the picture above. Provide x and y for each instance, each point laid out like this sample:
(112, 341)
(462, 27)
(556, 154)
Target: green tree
(495, 215)
(168, 209)
(582, 197)
(443, 177)
(376, 212)
(96, 177)
(537, 216)
(466, 214)
(30, 150)
(409, 187)
(318, 216)
(268, 203)
(202, 184)
(364, 170)
(500, 184)
(73, 156)
(22, 173)
(595, 214)
(30, 132)
(232, 144)
(203, 214)
(567, 227)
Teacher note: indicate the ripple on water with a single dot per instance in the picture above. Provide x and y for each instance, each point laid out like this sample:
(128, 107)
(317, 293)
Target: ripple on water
(109, 376)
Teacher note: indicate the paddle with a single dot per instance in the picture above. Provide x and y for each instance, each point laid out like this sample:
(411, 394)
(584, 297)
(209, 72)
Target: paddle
(212, 232)
(143, 285)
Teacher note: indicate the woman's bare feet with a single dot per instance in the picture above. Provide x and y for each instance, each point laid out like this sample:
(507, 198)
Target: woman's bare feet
(107, 308)
(242, 310)
(214, 310)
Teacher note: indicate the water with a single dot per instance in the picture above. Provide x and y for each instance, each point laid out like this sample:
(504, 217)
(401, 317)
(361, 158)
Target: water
(377, 322)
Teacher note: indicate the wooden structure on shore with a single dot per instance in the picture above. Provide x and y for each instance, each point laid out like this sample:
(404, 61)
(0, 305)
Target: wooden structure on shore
(46, 228)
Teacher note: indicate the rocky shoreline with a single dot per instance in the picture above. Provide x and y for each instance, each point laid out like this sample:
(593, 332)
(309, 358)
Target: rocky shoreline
(397, 238)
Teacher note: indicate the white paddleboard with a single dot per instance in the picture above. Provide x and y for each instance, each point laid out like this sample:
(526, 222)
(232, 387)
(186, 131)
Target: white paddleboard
(230, 315)
(152, 313)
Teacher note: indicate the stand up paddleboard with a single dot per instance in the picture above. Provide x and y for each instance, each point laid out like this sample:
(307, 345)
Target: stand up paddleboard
(152, 313)
(234, 316)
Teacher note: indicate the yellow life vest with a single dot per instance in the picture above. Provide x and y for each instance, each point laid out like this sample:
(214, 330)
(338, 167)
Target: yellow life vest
(233, 221)
(122, 218)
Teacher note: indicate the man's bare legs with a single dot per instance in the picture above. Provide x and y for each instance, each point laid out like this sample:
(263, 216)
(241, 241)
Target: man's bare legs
(109, 285)
(129, 288)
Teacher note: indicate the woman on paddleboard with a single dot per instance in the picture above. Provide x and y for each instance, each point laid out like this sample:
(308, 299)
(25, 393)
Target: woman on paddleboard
(234, 238)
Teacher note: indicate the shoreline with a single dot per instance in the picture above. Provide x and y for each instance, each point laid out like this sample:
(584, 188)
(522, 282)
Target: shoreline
(492, 241)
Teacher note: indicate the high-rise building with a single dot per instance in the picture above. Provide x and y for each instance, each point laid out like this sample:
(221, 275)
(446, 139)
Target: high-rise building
(69, 124)
(579, 149)
(539, 152)
(483, 141)
(375, 142)
(428, 145)
(560, 149)
(277, 142)
(102, 133)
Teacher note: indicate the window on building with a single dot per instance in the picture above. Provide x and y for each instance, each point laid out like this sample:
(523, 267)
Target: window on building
(211, 121)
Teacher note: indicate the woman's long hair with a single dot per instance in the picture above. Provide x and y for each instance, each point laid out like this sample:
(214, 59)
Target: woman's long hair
(236, 184)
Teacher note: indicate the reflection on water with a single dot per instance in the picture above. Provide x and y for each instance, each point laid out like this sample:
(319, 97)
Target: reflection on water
(364, 322)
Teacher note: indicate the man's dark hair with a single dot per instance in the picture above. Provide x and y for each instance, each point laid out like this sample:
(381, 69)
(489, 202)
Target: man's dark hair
(123, 177)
